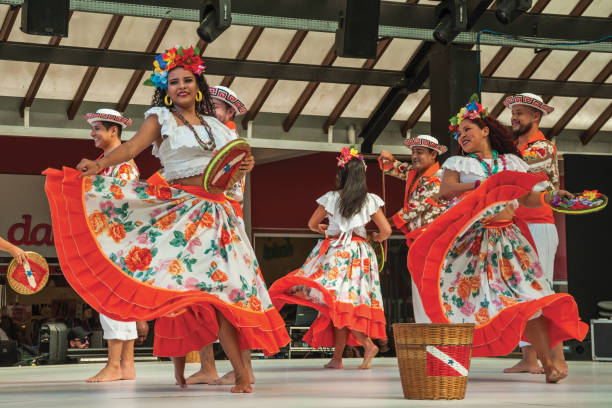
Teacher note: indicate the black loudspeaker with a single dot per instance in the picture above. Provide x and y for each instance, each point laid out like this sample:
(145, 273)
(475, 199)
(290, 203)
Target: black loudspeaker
(357, 32)
(45, 17)
(215, 17)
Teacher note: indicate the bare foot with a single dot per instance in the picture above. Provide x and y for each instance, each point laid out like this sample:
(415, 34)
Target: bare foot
(230, 379)
(554, 375)
(242, 385)
(368, 354)
(525, 367)
(202, 377)
(128, 372)
(334, 363)
(180, 378)
(107, 374)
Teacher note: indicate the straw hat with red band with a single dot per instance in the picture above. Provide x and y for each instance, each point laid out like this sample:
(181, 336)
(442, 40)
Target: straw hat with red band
(108, 115)
(228, 96)
(528, 99)
(427, 141)
(28, 278)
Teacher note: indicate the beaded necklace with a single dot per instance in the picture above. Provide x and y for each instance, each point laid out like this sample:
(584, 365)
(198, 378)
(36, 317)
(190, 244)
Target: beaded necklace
(208, 146)
(485, 166)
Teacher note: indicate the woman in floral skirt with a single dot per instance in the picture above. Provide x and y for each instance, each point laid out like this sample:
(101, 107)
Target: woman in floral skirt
(340, 276)
(167, 250)
(476, 263)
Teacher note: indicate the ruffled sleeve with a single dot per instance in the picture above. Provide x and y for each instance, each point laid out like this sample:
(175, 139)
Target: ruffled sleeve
(328, 201)
(466, 165)
(515, 163)
(373, 203)
(166, 121)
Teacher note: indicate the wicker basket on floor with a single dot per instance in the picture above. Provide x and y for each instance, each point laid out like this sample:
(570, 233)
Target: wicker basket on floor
(433, 359)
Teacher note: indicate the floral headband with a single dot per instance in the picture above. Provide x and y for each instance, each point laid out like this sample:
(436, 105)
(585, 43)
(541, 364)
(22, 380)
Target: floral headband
(347, 154)
(188, 58)
(473, 110)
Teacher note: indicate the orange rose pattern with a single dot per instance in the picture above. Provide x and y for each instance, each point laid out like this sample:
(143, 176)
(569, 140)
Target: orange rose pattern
(166, 222)
(138, 259)
(98, 222)
(117, 192)
(175, 268)
(487, 270)
(116, 231)
(219, 276)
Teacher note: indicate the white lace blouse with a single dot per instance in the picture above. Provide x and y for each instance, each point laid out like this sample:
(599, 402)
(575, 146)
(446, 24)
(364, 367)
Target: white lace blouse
(346, 227)
(179, 153)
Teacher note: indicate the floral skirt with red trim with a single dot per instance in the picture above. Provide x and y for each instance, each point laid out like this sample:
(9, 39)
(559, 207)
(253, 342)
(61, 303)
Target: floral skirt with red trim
(342, 283)
(138, 251)
(469, 269)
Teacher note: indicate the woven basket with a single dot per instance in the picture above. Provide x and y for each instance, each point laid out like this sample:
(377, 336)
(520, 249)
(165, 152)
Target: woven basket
(433, 359)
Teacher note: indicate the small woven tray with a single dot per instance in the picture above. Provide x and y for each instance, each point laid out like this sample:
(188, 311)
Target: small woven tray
(17, 275)
(564, 210)
(221, 173)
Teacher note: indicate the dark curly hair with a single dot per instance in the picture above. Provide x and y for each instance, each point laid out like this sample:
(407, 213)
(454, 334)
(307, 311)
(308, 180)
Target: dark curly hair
(351, 179)
(500, 137)
(204, 107)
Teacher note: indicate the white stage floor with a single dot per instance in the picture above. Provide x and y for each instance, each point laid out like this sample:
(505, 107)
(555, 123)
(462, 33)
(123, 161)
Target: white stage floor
(299, 383)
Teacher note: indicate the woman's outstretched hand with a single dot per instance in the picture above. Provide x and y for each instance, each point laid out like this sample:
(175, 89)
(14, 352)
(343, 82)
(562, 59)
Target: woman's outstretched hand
(88, 167)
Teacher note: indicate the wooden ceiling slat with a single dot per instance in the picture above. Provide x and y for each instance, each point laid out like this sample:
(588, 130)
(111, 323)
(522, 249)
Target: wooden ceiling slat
(597, 125)
(265, 91)
(105, 43)
(244, 52)
(350, 92)
(156, 40)
(9, 22)
(573, 110)
(307, 93)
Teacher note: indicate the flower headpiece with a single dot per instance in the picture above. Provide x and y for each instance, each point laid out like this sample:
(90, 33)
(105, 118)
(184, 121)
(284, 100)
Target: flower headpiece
(473, 110)
(188, 58)
(347, 154)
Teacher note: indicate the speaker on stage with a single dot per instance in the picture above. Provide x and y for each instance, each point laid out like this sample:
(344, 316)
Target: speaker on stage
(357, 32)
(45, 17)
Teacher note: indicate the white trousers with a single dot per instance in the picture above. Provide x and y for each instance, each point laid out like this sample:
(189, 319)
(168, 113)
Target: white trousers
(116, 330)
(417, 305)
(546, 239)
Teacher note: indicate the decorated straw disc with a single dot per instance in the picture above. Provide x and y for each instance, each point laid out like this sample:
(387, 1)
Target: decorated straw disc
(379, 252)
(30, 277)
(221, 173)
(588, 201)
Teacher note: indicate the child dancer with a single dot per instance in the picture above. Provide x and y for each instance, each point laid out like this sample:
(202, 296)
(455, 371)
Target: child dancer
(340, 276)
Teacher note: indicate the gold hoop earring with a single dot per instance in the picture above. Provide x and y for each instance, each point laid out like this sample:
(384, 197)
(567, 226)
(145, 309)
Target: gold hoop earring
(167, 100)
(199, 96)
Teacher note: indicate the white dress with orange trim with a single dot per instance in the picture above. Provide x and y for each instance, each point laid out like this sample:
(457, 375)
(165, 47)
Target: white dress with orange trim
(339, 278)
(142, 251)
(471, 269)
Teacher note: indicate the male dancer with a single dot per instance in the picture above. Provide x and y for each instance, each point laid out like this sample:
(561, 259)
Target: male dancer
(541, 155)
(227, 107)
(421, 202)
(106, 128)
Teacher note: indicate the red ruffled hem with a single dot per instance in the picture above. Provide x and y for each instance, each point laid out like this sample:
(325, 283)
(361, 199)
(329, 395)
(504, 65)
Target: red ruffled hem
(186, 320)
(362, 318)
(501, 334)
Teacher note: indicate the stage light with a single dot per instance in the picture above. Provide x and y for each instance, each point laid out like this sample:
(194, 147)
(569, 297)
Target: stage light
(508, 10)
(453, 19)
(215, 17)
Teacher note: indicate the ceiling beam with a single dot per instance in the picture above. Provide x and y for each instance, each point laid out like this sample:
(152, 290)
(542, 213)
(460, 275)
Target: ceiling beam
(573, 110)
(307, 93)
(136, 78)
(39, 75)
(352, 89)
(9, 21)
(588, 134)
(105, 43)
(244, 52)
(265, 91)
(489, 70)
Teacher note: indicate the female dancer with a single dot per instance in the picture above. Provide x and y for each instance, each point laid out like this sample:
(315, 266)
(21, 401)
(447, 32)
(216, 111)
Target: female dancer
(340, 276)
(477, 264)
(138, 251)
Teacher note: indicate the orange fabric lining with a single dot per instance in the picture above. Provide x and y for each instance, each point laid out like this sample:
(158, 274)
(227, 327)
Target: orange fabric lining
(105, 287)
(501, 334)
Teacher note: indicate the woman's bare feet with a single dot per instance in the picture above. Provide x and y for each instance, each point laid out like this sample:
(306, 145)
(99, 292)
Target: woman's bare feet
(243, 384)
(128, 372)
(230, 379)
(525, 367)
(370, 351)
(203, 377)
(107, 374)
(334, 363)
(554, 375)
(179, 371)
